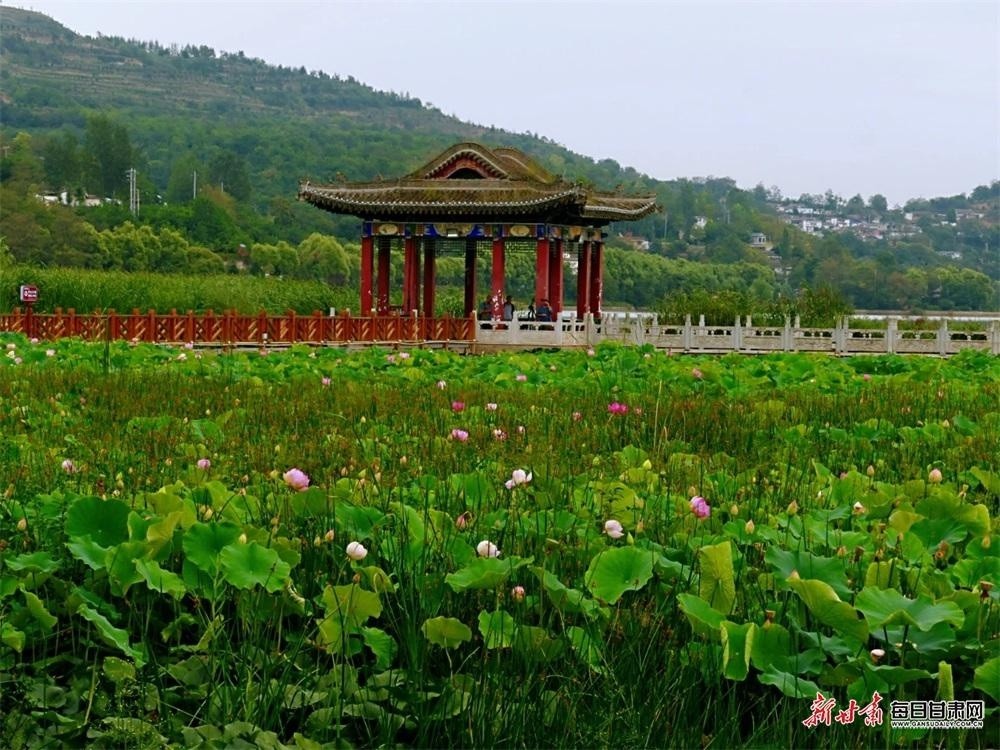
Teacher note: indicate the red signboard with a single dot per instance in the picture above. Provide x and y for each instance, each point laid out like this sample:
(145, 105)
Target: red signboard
(29, 293)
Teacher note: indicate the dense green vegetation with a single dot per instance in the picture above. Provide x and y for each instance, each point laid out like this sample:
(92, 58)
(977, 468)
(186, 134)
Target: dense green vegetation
(317, 549)
(220, 142)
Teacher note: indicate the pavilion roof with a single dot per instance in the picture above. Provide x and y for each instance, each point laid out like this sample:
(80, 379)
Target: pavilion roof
(474, 183)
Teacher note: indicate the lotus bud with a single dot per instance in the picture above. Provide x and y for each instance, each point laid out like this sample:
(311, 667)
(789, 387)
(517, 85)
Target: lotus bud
(859, 508)
(317, 541)
(793, 508)
(841, 551)
(356, 551)
(871, 471)
(243, 538)
(328, 536)
(750, 526)
(22, 524)
(876, 654)
(517, 593)
(734, 510)
(486, 548)
(935, 477)
(794, 576)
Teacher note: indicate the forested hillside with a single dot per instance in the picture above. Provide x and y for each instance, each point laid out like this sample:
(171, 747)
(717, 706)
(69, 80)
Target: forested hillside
(220, 142)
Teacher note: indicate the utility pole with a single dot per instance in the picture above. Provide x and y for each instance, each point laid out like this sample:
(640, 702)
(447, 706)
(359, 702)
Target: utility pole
(133, 192)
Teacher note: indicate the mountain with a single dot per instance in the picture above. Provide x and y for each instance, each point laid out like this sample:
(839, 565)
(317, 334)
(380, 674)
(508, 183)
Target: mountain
(79, 112)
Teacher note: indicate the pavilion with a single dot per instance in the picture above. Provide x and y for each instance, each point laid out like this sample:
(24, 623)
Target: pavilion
(471, 195)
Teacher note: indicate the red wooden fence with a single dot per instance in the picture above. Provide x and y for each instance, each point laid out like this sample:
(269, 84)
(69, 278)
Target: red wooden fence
(230, 328)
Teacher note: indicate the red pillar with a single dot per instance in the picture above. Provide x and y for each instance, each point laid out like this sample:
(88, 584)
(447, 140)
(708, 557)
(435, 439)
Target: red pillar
(556, 276)
(541, 270)
(497, 278)
(596, 277)
(470, 276)
(429, 276)
(367, 269)
(382, 301)
(583, 280)
(411, 276)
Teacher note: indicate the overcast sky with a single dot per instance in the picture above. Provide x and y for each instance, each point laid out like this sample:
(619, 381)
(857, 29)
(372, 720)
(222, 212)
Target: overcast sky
(898, 98)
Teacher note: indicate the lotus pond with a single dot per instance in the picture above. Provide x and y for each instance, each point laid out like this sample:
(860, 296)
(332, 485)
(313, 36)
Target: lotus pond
(315, 548)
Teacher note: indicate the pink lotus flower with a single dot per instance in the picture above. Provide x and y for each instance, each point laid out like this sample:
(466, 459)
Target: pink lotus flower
(441, 385)
(935, 476)
(614, 529)
(390, 358)
(591, 352)
(50, 352)
(520, 429)
(458, 406)
(404, 355)
(68, 466)
(487, 548)
(517, 477)
(204, 464)
(700, 507)
(326, 382)
(356, 551)
(491, 406)
(459, 435)
(189, 345)
(521, 377)
(463, 521)
(616, 408)
(499, 434)
(577, 416)
(866, 376)
(517, 593)
(34, 340)
(696, 373)
(296, 479)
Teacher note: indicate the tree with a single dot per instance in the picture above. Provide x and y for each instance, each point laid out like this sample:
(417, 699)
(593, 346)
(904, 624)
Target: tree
(878, 203)
(856, 205)
(322, 258)
(62, 162)
(108, 155)
(228, 171)
(181, 183)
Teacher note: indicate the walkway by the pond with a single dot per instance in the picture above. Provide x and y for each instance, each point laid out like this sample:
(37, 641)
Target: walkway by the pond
(891, 335)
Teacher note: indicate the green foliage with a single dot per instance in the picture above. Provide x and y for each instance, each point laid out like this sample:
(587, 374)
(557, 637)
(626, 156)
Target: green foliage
(327, 128)
(87, 291)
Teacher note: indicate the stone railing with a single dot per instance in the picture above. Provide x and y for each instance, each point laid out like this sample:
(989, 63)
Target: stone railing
(741, 336)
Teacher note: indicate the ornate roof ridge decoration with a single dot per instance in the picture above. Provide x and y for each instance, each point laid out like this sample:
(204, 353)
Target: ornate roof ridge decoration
(469, 181)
